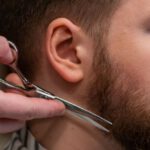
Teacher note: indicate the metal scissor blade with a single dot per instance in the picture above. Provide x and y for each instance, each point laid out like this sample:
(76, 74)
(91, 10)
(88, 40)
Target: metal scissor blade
(87, 115)
(89, 120)
(80, 112)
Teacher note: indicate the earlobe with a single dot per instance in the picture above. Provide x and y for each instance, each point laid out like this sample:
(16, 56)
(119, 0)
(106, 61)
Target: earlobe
(63, 50)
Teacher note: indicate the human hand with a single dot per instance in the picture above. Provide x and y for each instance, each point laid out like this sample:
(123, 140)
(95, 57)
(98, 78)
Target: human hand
(16, 109)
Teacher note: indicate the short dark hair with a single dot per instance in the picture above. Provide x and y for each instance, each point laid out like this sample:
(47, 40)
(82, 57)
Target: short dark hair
(24, 22)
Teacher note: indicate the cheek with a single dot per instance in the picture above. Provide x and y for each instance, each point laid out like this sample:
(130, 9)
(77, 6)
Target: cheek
(132, 52)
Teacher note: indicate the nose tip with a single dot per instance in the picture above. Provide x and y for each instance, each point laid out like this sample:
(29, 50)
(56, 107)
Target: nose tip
(6, 55)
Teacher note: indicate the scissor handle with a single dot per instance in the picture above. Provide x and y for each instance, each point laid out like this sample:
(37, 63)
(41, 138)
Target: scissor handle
(5, 85)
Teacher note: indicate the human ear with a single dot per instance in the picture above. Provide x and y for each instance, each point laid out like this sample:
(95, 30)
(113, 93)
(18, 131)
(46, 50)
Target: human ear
(66, 49)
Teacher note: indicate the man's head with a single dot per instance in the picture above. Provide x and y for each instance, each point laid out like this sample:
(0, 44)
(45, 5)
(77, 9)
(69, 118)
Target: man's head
(95, 51)
(30, 21)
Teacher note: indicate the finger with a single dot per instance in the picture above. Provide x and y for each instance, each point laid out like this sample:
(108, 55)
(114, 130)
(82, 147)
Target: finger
(6, 56)
(14, 106)
(7, 125)
(14, 78)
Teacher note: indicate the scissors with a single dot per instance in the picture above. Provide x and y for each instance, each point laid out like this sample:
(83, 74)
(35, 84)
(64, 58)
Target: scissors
(32, 90)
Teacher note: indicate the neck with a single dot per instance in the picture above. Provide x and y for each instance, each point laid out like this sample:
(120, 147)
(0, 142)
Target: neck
(67, 132)
(70, 133)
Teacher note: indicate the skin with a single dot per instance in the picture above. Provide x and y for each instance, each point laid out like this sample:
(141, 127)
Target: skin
(66, 68)
(16, 109)
(5, 53)
(68, 65)
(128, 48)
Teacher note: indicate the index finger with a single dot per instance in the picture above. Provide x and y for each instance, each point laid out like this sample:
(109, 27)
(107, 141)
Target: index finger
(14, 106)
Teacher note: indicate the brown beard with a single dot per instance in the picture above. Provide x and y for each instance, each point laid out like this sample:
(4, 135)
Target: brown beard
(118, 97)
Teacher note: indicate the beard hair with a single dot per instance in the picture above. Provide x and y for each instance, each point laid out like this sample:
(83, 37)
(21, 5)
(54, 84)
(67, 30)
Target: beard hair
(118, 97)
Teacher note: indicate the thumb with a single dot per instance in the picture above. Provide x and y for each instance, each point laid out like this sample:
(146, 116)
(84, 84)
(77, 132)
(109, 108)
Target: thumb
(6, 56)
